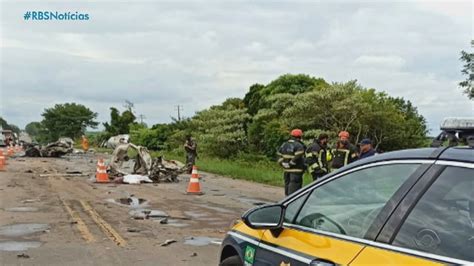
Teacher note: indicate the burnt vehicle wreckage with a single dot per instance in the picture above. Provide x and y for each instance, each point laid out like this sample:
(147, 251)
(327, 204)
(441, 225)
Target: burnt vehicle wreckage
(58, 148)
(157, 169)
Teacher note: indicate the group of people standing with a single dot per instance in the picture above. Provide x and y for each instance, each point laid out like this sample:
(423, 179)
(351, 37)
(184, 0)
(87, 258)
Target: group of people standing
(318, 158)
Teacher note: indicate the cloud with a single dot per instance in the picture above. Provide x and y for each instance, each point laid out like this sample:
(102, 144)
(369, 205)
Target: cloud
(196, 54)
(384, 61)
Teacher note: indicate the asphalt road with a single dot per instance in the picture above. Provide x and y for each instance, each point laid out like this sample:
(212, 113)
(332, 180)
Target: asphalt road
(49, 215)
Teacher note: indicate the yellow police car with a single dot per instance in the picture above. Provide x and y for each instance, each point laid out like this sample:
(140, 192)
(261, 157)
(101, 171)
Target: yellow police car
(408, 207)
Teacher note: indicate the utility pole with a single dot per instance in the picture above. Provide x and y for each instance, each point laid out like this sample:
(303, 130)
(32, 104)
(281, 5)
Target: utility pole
(179, 108)
(141, 118)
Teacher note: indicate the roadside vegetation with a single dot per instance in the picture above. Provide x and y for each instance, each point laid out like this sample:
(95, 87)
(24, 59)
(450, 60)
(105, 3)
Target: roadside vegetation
(239, 137)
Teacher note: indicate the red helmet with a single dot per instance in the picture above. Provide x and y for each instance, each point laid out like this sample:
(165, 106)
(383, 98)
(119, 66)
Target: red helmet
(297, 133)
(344, 134)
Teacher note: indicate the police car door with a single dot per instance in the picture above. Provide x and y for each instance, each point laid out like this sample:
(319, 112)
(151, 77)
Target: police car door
(329, 223)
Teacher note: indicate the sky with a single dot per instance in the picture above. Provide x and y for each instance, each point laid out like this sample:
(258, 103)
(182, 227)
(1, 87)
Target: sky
(198, 53)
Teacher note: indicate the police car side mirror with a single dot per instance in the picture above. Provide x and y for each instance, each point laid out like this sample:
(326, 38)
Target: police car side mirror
(265, 217)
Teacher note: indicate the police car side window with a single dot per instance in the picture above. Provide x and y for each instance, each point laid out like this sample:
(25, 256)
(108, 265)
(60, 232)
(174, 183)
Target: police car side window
(293, 208)
(442, 222)
(349, 204)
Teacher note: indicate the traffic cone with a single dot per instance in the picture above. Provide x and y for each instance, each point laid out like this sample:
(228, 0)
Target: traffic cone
(10, 151)
(101, 175)
(194, 173)
(2, 161)
(100, 162)
(194, 188)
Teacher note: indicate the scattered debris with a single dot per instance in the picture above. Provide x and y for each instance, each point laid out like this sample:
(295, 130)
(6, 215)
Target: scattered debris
(168, 242)
(74, 172)
(144, 214)
(23, 256)
(136, 179)
(133, 230)
(29, 171)
(164, 221)
(194, 254)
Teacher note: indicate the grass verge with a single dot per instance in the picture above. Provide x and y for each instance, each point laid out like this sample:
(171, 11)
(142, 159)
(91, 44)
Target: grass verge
(260, 171)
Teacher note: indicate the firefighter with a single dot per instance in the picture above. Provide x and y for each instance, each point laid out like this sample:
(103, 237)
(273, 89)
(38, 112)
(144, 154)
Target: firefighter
(291, 155)
(316, 157)
(344, 153)
(190, 146)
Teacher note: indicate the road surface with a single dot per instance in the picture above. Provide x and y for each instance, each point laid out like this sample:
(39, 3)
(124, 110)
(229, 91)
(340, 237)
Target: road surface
(51, 216)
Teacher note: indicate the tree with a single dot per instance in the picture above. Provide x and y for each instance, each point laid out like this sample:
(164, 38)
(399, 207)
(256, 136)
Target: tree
(34, 129)
(220, 129)
(119, 123)
(67, 120)
(293, 84)
(391, 123)
(252, 99)
(5, 125)
(468, 70)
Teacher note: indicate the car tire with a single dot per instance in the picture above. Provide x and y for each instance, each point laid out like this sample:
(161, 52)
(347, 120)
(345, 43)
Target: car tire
(232, 261)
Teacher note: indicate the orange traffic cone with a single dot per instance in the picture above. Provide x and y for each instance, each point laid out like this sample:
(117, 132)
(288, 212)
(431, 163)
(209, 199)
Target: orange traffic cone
(10, 151)
(194, 188)
(101, 175)
(194, 173)
(100, 162)
(2, 161)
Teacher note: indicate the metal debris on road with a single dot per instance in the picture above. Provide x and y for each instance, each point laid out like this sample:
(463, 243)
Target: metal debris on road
(23, 256)
(168, 242)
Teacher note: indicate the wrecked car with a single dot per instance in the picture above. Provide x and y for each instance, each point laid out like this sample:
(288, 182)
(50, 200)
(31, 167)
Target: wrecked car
(157, 169)
(58, 148)
(114, 141)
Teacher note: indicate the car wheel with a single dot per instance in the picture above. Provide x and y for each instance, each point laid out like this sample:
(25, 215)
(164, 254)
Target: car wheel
(231, 261)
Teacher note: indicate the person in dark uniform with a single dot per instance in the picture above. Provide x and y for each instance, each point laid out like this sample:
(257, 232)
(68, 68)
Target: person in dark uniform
(190, 147)
(344, 153)
(291, 158)
(366, 149)
(316, 157)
